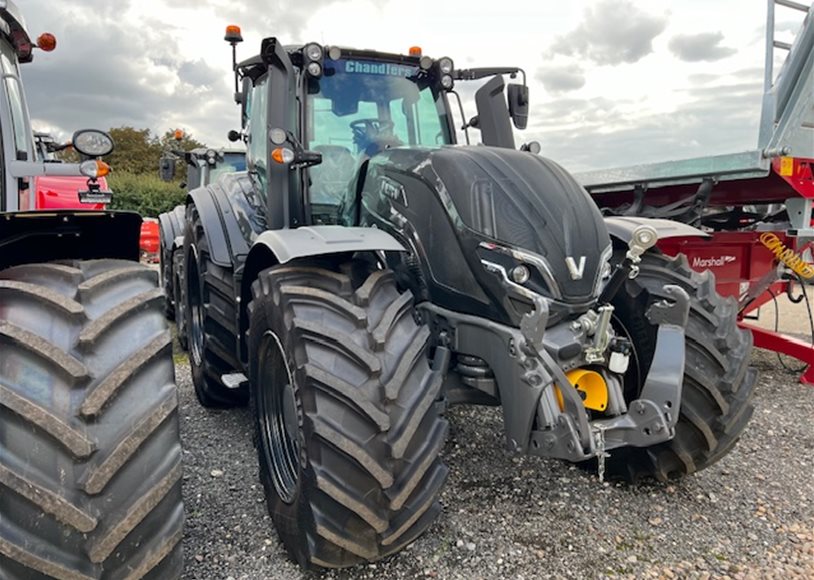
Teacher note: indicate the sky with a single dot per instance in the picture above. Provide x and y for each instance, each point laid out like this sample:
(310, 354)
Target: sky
(612, 82)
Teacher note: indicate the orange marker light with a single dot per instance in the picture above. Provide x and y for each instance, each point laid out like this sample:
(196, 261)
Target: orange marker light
(415, 51)
(102, 169)
(282, 155)
(47, 42)
(179, 135)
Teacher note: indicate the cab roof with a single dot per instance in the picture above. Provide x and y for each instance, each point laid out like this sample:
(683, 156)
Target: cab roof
(13, 29)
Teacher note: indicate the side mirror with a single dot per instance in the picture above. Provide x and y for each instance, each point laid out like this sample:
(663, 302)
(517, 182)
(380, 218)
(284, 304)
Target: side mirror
(234, 136)
(518, 96)
(91, 143)
(166, 169)
(493, 115)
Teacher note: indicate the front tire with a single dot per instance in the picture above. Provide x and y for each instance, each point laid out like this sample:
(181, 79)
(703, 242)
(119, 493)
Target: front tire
(210, 320)
(90, 454)
(716, 402)
(348, 426)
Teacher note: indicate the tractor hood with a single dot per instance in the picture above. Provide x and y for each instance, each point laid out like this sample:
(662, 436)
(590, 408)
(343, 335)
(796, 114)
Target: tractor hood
(512, 199)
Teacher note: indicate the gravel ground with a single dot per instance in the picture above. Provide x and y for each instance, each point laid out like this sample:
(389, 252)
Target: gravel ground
(749, 516)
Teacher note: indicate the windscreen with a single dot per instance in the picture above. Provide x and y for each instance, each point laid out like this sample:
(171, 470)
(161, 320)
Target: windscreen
(361, 107)
(231, 163)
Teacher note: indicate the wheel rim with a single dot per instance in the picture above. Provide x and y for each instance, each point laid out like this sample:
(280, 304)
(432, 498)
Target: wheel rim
(179, 303)
(278, 417)
(196, 333)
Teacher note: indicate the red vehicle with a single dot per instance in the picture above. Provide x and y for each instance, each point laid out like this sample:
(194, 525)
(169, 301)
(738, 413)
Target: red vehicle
(62, 192)
(755, 206)
(58, 192)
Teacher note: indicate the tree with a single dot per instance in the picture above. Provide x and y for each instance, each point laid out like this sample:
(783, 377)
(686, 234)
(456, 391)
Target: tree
(137, 151)
(186, 143)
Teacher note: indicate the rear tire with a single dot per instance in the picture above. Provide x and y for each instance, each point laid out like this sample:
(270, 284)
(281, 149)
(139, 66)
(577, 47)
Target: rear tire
(350, 453)
(180, 298)
(210, 320)
(90, 454)
(167, 280)
(716, 402)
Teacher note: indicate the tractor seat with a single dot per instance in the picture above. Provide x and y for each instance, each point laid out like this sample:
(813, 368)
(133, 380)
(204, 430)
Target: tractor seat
(330, 179)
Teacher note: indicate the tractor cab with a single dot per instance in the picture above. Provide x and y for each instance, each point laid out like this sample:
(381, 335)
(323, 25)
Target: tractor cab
(314, 115)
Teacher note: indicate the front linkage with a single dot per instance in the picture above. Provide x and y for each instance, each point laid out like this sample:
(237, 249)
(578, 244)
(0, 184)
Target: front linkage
(544, 413)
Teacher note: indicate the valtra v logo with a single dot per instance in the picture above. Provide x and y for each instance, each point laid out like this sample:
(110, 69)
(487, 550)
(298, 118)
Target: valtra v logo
(576, 270)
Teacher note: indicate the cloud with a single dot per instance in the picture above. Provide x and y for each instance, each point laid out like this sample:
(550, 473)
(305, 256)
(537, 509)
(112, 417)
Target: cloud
(585, 134)
(106, 73)
(199, 74)
(705, 46)
(280, 18)
(561, 79)
(612, 32)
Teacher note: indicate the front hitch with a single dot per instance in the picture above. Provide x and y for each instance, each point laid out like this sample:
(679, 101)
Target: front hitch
(652, 417)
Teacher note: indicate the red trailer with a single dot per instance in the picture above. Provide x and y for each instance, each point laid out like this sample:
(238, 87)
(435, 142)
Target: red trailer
(756, 206)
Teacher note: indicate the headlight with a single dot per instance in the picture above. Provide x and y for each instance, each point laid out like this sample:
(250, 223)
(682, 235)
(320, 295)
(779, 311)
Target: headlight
(447, 82)
(92, 143)
(314, 69)
(520, 274)
(313, 52)
(278, 136)
(446, 66)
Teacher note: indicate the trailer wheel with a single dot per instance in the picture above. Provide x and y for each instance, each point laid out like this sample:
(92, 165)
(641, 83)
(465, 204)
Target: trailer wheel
(180, 297)
(167, 279)
(210, 319)
(716, 402)
(349, 433)
(90, 455)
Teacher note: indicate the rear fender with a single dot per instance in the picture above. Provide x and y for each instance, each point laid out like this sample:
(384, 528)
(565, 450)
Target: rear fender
(34, 237)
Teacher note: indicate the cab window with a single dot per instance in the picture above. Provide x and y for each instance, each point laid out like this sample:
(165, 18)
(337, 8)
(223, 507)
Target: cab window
(14, 96)
(257, 153)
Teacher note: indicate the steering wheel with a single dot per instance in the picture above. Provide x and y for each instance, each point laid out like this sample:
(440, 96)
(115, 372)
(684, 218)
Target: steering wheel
(371, 126)
(366, 133)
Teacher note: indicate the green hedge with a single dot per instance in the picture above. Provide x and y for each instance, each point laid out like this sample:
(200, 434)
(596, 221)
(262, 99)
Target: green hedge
(146, 194)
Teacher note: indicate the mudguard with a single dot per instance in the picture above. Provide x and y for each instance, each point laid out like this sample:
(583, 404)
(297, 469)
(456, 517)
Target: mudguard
(621, 228)
(230, 218)
(34, 237)
(306, 242)
(282, 246)
(172, 227)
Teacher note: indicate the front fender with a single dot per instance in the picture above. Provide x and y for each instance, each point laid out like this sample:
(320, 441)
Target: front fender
(307, 242)
(621, 228)
(172, 227)
(275, 247)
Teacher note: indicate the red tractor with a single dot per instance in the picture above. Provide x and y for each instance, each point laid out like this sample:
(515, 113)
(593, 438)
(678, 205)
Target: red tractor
(90, 473)
(61, 192)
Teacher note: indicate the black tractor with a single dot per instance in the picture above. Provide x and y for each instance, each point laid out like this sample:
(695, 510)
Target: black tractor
(203, 166)
(366, 272)
(90, 455)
